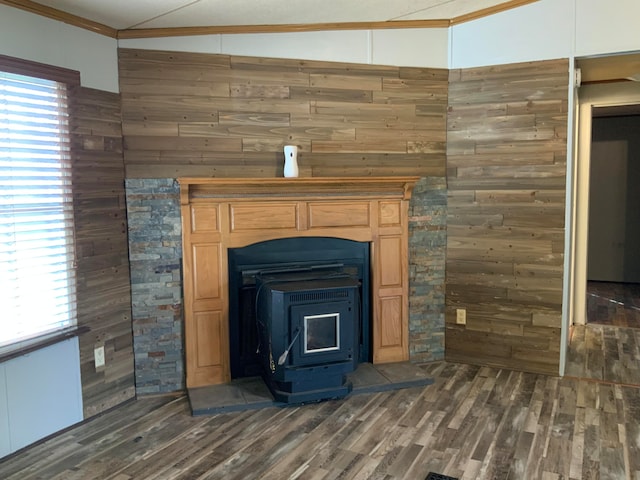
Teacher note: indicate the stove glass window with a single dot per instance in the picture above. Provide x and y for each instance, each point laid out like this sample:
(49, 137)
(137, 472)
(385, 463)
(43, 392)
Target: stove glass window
(321, 333)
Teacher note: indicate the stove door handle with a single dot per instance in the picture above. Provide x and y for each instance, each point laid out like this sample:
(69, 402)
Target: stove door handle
(285, 354)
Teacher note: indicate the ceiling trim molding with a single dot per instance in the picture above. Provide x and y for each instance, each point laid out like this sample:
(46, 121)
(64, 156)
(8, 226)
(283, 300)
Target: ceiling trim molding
(77, 21)
(55, 14)
(278, 28)
(485, 12)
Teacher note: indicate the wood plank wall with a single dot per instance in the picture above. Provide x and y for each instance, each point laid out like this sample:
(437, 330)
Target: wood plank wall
(191, 114)
(104, 292)
(506, 164)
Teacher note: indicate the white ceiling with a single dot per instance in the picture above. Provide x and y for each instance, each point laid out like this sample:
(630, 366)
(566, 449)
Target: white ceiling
(126, 14)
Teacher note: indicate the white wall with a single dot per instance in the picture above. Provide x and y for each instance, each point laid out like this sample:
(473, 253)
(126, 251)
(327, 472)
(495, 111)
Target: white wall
(547, 29)
(5, 437)
(538, 31)
(407, 47)
(607, 26)
(37, 396)
(40, 39)
(411, 47)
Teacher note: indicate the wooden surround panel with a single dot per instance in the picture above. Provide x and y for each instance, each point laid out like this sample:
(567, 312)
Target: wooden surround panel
(223, 213)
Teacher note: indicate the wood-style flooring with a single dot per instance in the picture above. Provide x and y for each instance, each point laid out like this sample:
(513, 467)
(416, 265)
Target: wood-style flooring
(605, 353)
(615, 304)
(607, 348)
(471, 423)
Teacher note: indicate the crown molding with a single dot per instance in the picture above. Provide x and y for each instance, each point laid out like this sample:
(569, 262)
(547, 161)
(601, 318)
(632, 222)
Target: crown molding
(278, 28)
(55, 14)
(131, 33)
(486, 12)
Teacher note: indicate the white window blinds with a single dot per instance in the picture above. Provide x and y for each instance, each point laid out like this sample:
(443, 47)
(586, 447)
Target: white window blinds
(37, 271)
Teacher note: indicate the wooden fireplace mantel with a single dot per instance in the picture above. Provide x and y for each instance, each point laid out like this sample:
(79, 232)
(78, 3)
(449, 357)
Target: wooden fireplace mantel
(223, 213)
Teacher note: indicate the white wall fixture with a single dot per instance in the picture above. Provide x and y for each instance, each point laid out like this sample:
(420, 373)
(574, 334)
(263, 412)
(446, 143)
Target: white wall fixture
(98, 355)
(290, 161)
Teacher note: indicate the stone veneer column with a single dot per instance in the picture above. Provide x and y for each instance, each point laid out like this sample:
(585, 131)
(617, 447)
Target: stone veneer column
(155, 251)
(427, 250)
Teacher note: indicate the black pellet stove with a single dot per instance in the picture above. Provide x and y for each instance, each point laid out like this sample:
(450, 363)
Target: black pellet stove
(308, 328)
(299, 315)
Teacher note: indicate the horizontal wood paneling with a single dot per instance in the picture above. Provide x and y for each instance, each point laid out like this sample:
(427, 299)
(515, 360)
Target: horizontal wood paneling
(104, 291)
(506, 173)
(190, 114)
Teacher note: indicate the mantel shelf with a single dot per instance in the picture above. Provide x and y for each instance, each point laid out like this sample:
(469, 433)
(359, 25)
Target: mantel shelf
(193, 188)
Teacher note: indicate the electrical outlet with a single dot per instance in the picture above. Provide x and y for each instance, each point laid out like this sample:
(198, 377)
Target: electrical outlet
(98, 355)
(461, 316)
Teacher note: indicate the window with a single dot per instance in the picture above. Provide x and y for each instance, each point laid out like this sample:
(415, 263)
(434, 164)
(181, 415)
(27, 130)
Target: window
(37, 270)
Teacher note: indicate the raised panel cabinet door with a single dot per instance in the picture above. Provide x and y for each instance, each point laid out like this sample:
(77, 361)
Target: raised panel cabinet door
(206, 271)
(390, 264)
(206, 349)
(391, 331)
(391, 322)
(208, 336)
(206, 340)
(390, 336)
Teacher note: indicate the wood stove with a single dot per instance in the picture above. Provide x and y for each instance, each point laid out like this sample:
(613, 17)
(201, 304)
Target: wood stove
(308, 323)
(299, 314)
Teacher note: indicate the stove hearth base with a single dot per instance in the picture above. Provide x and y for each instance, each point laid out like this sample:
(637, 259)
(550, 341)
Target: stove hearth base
(251, 393)
(311, 396)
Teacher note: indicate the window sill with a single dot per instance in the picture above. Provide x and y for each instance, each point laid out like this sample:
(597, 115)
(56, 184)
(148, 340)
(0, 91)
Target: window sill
(40, 343)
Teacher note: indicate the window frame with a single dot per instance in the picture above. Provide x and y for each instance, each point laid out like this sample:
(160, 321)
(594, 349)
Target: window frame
(71, 79)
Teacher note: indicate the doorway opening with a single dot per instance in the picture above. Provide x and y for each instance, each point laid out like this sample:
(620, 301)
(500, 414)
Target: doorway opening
(613, 256)
(597, 102)
(594, 351)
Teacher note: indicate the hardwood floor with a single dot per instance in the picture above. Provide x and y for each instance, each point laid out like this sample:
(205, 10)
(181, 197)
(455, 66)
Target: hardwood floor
(615, 304)
(605, 353)
(472, 423)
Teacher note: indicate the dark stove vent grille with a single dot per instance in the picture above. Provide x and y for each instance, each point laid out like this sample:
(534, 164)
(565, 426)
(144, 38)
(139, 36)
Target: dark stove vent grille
(321, 296)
